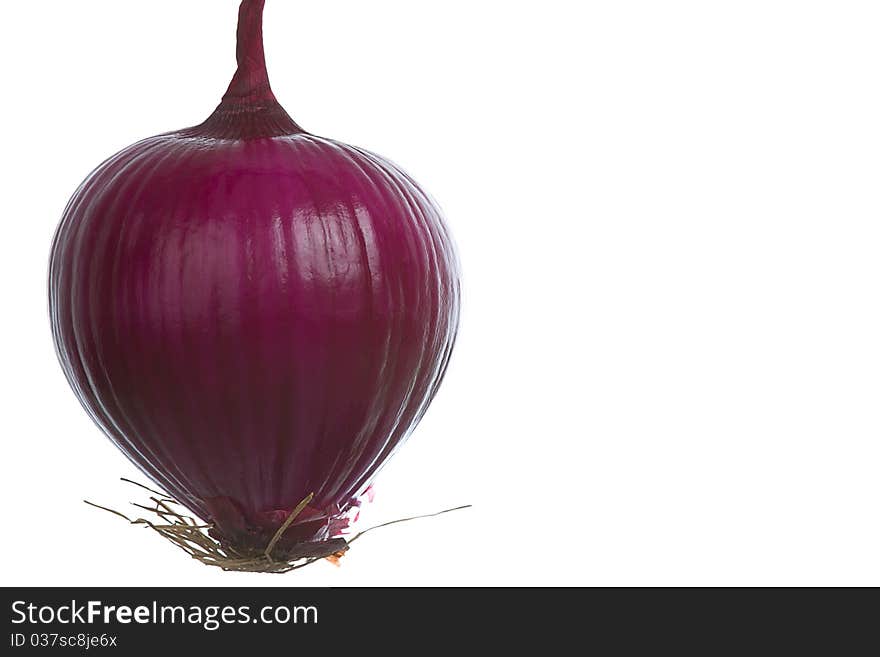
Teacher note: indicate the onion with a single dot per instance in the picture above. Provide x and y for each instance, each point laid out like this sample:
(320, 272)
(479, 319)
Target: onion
(254, 314)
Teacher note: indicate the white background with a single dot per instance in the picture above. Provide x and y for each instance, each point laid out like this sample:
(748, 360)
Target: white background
(669, 221)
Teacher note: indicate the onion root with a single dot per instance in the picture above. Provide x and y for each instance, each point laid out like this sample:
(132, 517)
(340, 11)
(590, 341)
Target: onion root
(192, 536)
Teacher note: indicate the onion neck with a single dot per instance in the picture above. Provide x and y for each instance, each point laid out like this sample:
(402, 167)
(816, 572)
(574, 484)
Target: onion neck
(249, 109)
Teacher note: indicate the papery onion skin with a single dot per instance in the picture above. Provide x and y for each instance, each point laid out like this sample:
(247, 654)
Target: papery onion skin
(253, 313)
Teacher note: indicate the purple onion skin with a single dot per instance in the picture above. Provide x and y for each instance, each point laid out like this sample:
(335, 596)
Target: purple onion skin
(252, 313)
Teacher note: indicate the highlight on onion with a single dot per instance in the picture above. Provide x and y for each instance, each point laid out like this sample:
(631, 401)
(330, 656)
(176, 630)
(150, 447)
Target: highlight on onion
(257, 317)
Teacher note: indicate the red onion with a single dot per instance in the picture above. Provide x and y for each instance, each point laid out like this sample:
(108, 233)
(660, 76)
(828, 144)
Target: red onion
(253, 313)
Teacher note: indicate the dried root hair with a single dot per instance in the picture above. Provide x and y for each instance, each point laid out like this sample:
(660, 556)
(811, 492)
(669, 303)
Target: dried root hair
(170, 521)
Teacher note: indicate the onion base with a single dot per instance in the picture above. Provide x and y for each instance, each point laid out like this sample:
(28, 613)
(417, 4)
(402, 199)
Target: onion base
(201, 543)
